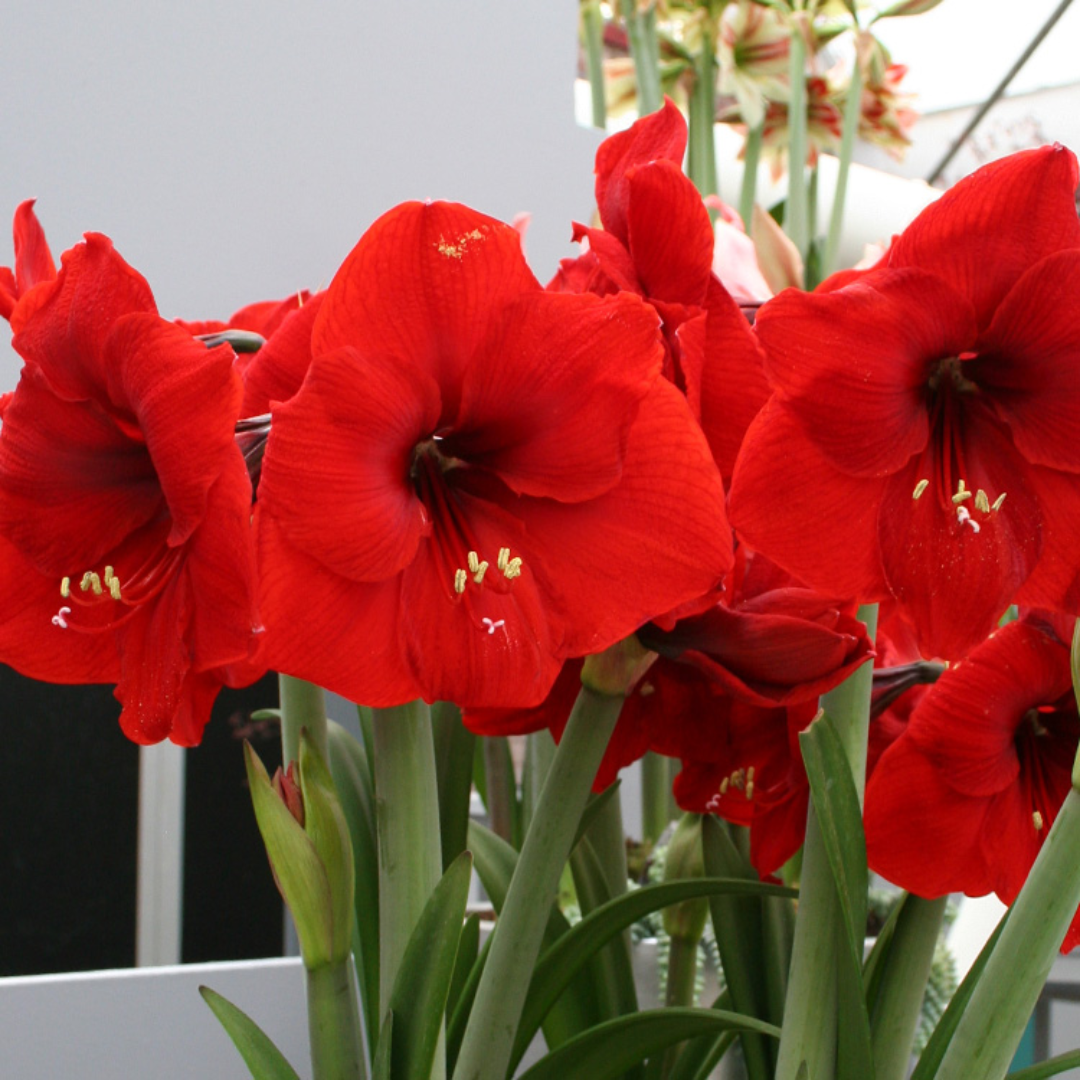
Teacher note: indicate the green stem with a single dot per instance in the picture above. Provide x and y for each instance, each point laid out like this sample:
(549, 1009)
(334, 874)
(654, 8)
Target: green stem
(795, 219)
(811, 1006)
(454, 748)
(903, 987)
(592, 27)
(748, 191)
(655, 795)
(334, 1023)
(501, 794)
(303, 705)
(410, 846)
(989, 1032)
(701, 159)
(852, 111)
(515, 944)
(608, 838)
(539, 754)
(645, 51)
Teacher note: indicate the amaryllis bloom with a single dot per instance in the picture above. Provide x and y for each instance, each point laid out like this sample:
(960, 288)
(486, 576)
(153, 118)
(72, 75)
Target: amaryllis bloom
(886, 114)
(121, 482)
(922, 439)
(33, 263)
(964, 798)
(768, 640)
(753, 50)
(824, 126)
(657, 243)
(478, 478)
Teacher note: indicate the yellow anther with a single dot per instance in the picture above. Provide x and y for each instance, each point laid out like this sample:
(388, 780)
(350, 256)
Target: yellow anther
(1037, 821)
(85, 583)
(109, 575)
(646, 689)
(480, 571)
(513, 568)
(998, 501)
(95, 584)
(65, 587)
(474, 562)
(114, 587)
(460, 578)
(961, 495)
(750, 775)
(503, 559)
(724, 786)
(749, 790)
(982, 501)
(920, 487)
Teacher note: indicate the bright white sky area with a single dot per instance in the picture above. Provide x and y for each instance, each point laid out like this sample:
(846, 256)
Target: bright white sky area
(958, 52)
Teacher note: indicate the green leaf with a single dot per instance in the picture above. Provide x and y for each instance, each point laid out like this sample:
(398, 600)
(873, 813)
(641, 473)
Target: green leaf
(418, 999)
(380, 1067)
(454, 748)
(606, 1052)
(1050, 1067)
(352, 778)
(467, 955)
(836, 803)
(593, 808)
(906, 7)
(562, 960)
(934, 1051)
(737, 925)
(876, 963)
(264, 1060)
(298, 870)
(455, 1027)
(700, 1056)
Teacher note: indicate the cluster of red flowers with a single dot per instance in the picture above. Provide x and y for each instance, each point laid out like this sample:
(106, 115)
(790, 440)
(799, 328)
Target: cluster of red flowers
(440, 479)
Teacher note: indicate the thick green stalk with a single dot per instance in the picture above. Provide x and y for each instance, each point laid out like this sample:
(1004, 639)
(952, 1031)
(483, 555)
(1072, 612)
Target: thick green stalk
(501, 785)
(852, 111)
(608, 839)
(539, 754)
(796, 223)
(592, 34)
(811, 1006)
(454, 748)
(748, 191)
(334, 1023)
(701, 158)
(410, 846)
(303, 705)
(515, 943)
(644, 49)
(655, 795)
(899, 1002)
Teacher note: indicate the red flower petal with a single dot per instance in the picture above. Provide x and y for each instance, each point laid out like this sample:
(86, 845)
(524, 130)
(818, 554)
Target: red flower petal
(791, 503)
(1055, 581)
(522, 414)
(335, 475)
(33, 259)
(419, 288)
(982, 234)
(670, 234)
(660, 136)
(279, 367)
(1029, 362)
(864, 353)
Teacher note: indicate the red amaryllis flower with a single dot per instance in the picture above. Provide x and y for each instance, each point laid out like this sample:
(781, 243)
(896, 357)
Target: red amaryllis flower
(922, 439)
(478, 478)
(767, 640)
(120, 481)
(964, 798)
(33, 263)
(657, 242)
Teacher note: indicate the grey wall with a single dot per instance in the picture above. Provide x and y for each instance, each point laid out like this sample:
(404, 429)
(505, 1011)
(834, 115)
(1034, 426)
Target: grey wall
(236, 150)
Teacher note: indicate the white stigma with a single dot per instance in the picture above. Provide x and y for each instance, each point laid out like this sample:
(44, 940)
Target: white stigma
(964, 516)
(59, 620)
(492, 624)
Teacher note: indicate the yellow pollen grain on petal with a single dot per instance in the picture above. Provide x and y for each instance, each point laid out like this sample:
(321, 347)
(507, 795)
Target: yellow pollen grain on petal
(982, 501)
(513, 568)
(1037, 821)
(998, 501)
(503, 559)
(920, 487)
(460, 580)
(65, 587)
(473, 561)
(480, 571)
(114, 587)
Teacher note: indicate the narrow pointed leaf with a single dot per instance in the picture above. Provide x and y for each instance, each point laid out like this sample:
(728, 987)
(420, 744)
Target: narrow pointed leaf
(352, 778)
(562, 960)
(455, 1027)
(263, 1059)
(836, 802)
(593, 808)
(701, 1055)
(467, 955)
(1051, 1067)
(454, 749)
(418, 1000)
(875, 964)
(380, 1067)
(606, 1052)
